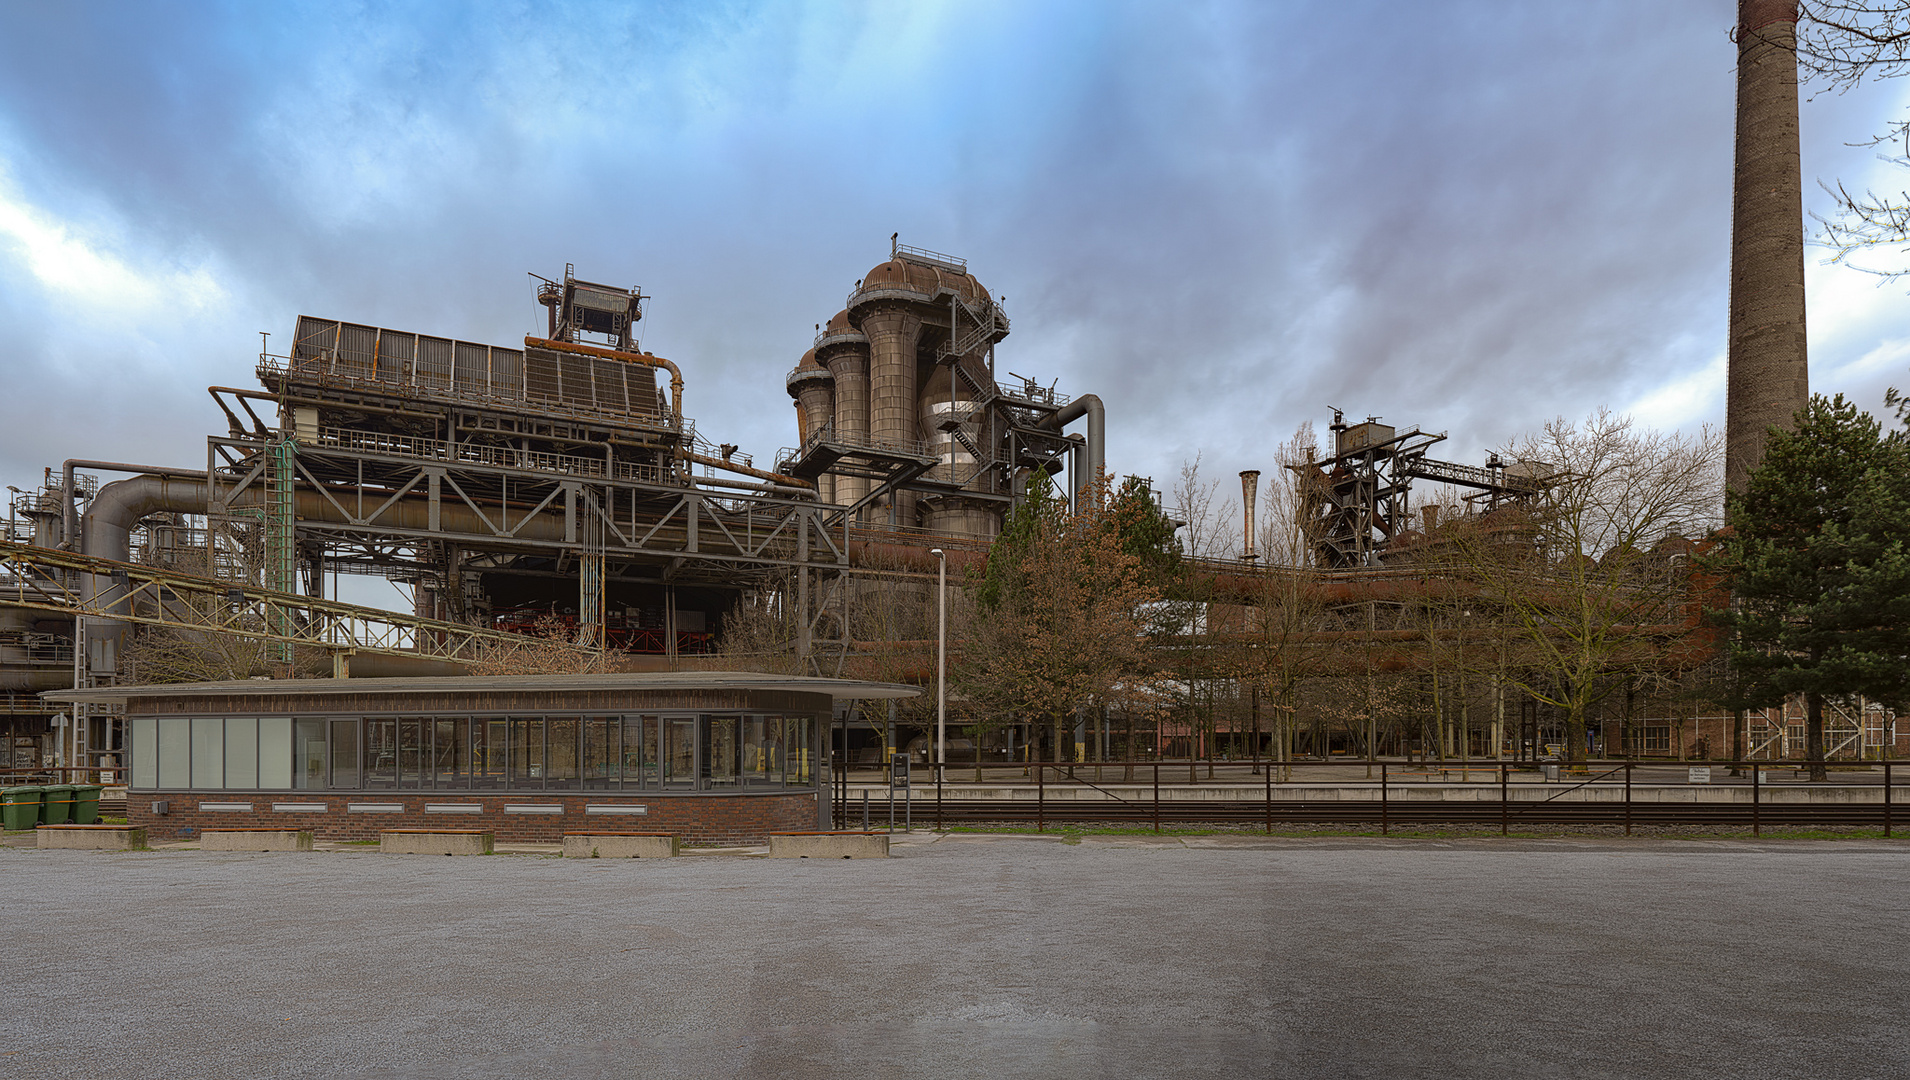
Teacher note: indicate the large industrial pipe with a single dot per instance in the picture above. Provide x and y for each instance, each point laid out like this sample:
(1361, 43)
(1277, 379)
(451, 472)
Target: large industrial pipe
(1090, 406)
(1249, 496)
(67, 532)
(792, 482)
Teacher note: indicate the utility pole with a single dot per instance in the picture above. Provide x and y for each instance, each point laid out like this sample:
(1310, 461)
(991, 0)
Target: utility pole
(941, 662)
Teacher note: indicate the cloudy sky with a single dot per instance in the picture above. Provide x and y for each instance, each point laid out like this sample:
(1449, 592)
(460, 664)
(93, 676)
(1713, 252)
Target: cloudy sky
(1220, 217)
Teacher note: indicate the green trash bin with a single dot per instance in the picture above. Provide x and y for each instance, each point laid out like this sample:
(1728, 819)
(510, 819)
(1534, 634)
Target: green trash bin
(86, 803)
(56, 805)
(20, 807)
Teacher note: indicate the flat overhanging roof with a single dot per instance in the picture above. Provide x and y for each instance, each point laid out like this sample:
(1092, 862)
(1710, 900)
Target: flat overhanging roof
(838, 689)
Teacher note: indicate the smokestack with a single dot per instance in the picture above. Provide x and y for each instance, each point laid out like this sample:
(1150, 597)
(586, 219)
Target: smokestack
(1249, 495)
(1769, 371)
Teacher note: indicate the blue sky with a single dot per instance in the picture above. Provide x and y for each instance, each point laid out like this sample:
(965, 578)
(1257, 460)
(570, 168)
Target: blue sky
(1220, 217)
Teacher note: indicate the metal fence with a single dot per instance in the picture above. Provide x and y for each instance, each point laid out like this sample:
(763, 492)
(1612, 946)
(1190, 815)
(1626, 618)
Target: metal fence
(1627, 793)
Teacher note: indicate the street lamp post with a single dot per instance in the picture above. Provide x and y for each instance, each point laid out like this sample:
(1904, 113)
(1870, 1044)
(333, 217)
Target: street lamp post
(941, 662)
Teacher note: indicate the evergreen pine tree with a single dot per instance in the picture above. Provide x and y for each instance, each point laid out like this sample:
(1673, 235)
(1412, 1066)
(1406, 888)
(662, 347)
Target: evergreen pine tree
(1818, 568)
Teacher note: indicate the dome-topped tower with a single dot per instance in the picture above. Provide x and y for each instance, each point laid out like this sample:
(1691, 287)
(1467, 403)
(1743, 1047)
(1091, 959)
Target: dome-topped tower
(912, 397)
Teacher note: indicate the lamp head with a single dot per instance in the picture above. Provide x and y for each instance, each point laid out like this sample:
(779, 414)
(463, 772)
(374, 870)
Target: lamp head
(938, 553)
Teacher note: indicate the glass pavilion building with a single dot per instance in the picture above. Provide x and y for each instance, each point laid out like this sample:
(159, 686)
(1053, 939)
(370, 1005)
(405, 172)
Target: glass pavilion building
(715, 757)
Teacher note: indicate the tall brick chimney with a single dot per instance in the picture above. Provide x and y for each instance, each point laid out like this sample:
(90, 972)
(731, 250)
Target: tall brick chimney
(1769, 377)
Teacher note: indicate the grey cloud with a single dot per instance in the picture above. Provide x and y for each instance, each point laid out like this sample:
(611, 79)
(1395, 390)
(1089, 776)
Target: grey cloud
(1221, 218)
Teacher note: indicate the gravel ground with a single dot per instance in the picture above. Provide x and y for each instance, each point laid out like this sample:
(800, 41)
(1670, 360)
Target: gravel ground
(968, 956)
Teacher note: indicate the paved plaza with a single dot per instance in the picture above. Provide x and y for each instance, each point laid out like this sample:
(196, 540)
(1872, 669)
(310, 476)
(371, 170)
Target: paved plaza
(968, 957)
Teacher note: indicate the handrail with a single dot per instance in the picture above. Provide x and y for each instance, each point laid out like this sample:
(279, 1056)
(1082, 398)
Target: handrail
(428, 449)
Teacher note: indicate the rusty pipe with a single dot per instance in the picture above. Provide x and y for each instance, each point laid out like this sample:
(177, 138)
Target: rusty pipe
(746, 470)
(68, 532)
(646, 359)
(1090, 406)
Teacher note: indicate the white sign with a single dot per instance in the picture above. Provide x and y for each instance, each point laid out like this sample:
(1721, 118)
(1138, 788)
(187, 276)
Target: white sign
(1699, 774)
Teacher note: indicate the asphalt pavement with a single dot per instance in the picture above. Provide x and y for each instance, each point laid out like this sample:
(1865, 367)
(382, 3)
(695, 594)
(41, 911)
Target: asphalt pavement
(967, 957)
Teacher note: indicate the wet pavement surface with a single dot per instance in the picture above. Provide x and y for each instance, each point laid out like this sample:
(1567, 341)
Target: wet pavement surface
(968, 956)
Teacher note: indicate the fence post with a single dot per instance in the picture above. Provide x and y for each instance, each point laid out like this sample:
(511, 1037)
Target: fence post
(1505, 794)
(1756, 776)
(940, 768)
(1384, 824)
(1267, 775)
(1157, 794)
(1886, 798)
(1627, 798)
(1041, 798)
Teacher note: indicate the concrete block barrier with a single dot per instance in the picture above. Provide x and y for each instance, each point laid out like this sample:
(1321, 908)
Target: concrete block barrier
(255, 840)
(619, 845)
(829, 845)
(434, 842)
(91, 837)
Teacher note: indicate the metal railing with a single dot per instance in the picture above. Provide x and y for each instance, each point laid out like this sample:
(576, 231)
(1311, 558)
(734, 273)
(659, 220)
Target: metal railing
(418, 448)
(1604, 793)
(19, 646)
(864, 441)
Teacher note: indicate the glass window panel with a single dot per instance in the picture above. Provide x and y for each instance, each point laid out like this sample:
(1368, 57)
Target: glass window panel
(308, 754)
(145, 747)
(757, 750)
(208, 753)
(275, 753)
(490, 743)
(344, 747)
(412, 735)
(381, 753)
(639, 751)
(603, 757)
(560, 763)
(450, 755)
(241, 753)
(720, 756)
(679, 751)
(175, 752)
(797, 751)
(527, 752)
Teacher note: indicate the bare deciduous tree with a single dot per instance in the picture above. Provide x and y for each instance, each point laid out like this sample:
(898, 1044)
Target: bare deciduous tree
(1584, 573)
(547, 650)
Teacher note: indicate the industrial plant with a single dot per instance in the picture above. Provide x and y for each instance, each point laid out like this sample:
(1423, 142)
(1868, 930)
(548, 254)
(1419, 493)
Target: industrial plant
(559, 487)
(556, 494)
